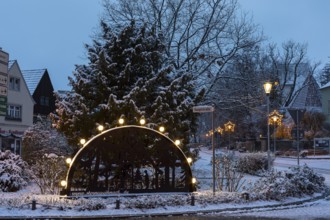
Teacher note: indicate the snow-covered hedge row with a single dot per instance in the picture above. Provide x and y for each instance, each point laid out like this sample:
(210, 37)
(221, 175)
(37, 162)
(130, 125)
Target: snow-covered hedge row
(253, 163)
(14, 172)
(138, 202)
(296, 182)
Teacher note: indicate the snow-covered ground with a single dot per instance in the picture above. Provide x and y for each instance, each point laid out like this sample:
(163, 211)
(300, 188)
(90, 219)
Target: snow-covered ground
(57, 207)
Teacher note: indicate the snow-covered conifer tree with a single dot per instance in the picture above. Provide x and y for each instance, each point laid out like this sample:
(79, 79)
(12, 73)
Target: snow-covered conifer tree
(127, 75)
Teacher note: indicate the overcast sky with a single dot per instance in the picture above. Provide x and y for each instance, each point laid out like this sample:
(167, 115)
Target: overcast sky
(51, 33)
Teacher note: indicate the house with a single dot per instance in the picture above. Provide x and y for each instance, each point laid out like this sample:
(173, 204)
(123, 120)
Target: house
(308, 96)
(325, 94)
(292, 77)
(18, 102)
(42, 91)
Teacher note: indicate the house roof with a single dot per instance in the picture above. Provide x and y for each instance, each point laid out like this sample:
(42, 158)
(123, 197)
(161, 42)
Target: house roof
(32, 78)
(10, 63)
(325, 86)
(309, 97)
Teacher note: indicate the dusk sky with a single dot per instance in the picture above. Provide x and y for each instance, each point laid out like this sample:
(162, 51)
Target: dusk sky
(51, 34)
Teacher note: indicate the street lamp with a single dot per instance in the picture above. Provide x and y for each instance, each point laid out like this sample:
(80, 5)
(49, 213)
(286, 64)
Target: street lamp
(219, 130)
(275, 118)
(268, 88)
(229, 127)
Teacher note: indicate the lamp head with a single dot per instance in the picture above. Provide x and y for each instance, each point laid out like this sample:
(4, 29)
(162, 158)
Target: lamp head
(268, 87)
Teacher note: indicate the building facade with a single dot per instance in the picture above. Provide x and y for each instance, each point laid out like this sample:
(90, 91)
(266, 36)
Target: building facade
(19, 105)
(42, 91)
(325, 94)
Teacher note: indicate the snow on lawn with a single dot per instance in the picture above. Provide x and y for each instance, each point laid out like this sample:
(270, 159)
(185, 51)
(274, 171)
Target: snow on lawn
(19, 204)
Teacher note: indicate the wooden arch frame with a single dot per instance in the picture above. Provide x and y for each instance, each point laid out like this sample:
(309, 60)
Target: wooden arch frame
(129, 159)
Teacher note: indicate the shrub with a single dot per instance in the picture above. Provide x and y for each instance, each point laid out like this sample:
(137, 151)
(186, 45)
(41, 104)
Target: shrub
(295, 182)
(14, 172)
(41, 139)
(48, 171)
(227, 175)
(253, 163)
(305, 180)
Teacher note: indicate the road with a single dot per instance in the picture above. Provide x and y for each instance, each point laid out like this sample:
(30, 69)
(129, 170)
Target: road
(321, 166)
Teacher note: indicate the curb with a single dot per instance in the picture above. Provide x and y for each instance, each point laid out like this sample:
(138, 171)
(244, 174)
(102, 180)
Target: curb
(179, 213)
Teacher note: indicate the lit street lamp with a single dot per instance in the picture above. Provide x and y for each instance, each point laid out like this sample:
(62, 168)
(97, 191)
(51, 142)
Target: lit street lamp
(268, 88)
(229, 127)
(275, 118)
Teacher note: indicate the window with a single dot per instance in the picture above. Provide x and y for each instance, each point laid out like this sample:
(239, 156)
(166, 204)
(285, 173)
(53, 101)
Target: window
(12, 144)
(14, 112)
(14, 83)
(44, 100)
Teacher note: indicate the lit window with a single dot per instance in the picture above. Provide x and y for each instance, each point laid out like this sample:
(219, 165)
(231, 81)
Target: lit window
(14, 83)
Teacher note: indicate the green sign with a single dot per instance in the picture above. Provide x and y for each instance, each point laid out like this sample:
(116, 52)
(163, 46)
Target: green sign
(3, 105)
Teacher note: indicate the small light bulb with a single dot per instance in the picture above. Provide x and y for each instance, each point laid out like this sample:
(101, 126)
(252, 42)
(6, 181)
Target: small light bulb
(142, 121)
(121, 121)
(82, 141)
(162, 129)
(100, 127)
(68, 160)
(63, 183)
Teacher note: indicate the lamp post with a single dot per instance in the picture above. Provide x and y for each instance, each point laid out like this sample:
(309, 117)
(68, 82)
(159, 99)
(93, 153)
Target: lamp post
(268, 88)
(200, 109)
(229, 127)
(220, 131)
(275, 118)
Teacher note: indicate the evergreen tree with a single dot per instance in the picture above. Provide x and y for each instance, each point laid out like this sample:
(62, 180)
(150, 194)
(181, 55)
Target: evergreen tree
(127, 75)
(325, 75)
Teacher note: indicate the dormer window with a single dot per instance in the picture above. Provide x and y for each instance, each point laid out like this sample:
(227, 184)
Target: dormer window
(14, 83)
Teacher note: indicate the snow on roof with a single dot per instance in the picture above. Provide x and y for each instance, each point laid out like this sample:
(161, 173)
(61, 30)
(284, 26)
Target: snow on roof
(32, 78)
(10, 63)
(309, 97)
(325, 86)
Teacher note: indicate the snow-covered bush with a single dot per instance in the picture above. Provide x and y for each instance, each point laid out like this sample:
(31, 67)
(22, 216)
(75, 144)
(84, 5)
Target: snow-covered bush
(41, 139)
(295, 182)
(208, 198)
(253, 163)
(305, 180)
(48, 171)
(14, 172)
(90, 206)
(156, 201)
(227, 175)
